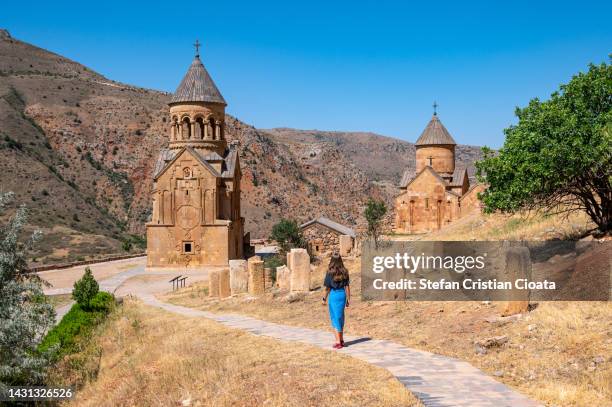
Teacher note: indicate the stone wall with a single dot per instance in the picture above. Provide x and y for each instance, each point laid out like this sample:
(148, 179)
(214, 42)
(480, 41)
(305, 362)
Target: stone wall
(425, 206)
(470, 201)
(196, 217)
(321, 240)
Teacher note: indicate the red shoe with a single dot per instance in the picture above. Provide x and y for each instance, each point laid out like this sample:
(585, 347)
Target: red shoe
(338, 346)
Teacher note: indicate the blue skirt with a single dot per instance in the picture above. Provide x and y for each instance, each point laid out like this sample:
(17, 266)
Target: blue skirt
(336, 302)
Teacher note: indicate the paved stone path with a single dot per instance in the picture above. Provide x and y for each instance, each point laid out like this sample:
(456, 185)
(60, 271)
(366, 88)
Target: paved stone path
(438, 381)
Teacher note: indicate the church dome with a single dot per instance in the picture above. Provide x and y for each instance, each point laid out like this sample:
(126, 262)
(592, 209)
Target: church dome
(435, 133)
(197, 86)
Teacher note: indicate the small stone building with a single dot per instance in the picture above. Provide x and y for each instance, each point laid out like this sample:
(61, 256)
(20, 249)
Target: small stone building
(324, 236)
(196, 193)
(438, 192)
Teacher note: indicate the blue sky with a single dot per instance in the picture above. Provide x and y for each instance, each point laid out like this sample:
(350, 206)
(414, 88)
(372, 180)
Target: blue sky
(335, 65)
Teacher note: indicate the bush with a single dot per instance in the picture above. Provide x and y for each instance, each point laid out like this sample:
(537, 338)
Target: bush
(85, 289)
(102, 302)
(23, 312)
(375, 213)
(77, 323)
(288, 235)
(126, 245)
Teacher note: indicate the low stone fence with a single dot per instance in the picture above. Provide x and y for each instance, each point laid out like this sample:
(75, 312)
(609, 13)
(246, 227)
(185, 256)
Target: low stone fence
(83, 262)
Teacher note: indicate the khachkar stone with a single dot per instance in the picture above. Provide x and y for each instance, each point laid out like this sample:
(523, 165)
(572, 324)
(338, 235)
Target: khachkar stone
(269, 282)
(239, 276)
(300, 269)
(346, 245)
(256, 277)
(518, 265)
(213, 283)
(283, 278)
(224, 283)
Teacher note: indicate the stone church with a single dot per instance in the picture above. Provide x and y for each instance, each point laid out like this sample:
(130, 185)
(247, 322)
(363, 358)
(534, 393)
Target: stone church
(437, 192)
(196, 193)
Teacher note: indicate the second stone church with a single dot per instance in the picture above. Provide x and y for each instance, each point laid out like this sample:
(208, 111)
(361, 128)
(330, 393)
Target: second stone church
(438, 192)
(196, 217)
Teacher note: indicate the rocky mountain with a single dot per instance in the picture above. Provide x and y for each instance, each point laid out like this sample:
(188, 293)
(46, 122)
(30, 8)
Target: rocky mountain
(78, 150)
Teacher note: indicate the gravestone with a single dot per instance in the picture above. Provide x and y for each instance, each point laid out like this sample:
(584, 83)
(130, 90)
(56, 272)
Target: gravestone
(239, 276)
(269, 283)
(224, 283)
(518, 265)
(213, 283)
(283, 278)
(256, 283)
(299, 261)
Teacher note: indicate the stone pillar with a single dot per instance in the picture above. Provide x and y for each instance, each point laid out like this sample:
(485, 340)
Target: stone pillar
(268, 278)
(518, 265)
(239, 276)
(283, 278)
(256, 283)
(300, 270)
(206, 135)
(213, 283)
(224, 283)
(346, 245)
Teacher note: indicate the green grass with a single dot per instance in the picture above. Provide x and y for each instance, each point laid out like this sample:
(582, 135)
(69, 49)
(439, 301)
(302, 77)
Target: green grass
(77, 323)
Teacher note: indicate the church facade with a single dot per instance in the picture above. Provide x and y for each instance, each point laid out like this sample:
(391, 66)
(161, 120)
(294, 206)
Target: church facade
(437, 192)
(196, 217)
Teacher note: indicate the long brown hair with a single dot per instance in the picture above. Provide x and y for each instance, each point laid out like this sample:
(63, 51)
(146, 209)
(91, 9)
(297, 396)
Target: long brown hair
(336, 268)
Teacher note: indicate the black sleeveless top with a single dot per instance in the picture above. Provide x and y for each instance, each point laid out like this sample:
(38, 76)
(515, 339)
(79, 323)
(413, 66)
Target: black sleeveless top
(330, 283)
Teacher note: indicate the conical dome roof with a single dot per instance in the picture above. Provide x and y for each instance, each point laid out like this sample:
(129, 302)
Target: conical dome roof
(197, 86)
(435, 133)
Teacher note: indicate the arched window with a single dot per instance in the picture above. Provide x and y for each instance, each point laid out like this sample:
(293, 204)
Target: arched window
(186, 130)
(199, 128)
(212, 126)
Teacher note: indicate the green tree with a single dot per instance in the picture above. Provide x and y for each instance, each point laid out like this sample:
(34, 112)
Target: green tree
(24, 314)
(558, 158)
(288, 235)
(85, 289)
(374, 213)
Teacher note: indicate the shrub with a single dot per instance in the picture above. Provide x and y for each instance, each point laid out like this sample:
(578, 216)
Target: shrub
(288, 235)
(102, 302)
(374, 213)
(23, 311)
(127, 245)
(77, 323)
(85, 289)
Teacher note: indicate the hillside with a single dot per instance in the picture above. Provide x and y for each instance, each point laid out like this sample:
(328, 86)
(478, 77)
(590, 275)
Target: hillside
(78, 150)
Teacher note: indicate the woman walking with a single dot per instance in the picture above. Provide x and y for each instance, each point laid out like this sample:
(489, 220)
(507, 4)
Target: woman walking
(337, 295)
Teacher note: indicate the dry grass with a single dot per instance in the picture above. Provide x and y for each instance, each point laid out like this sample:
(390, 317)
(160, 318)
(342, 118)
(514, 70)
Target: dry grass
(559, 353)
(153, 358)
(520, 226)
(59, 300)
